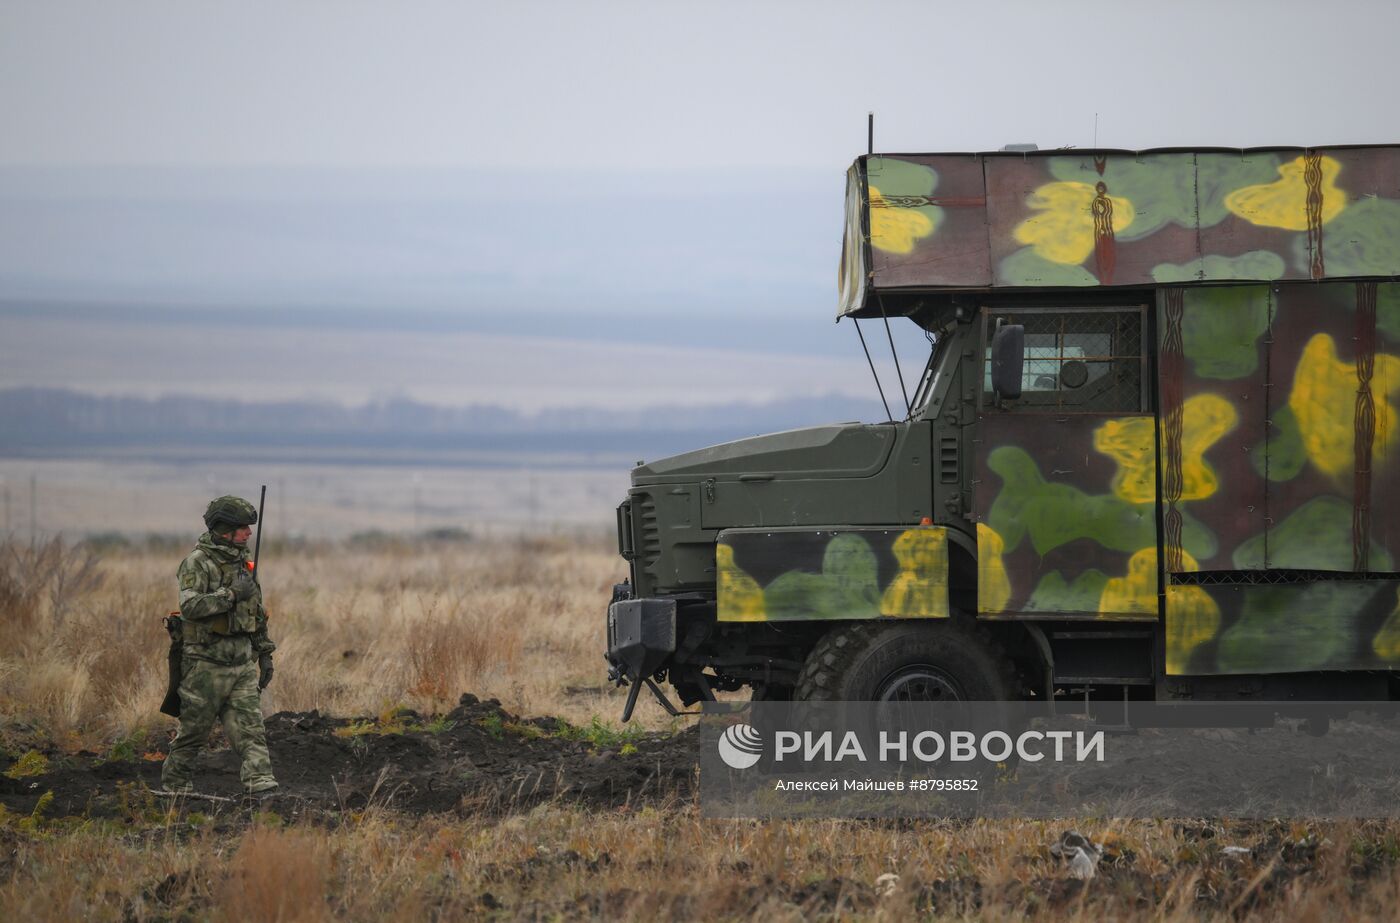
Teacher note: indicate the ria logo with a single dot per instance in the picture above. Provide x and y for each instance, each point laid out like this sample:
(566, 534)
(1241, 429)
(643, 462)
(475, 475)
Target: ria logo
(740, 746)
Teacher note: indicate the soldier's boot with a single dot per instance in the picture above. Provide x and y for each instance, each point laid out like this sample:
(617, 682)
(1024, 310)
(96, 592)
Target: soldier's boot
(243, 723)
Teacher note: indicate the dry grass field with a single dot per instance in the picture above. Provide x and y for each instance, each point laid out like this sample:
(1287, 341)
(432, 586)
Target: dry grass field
(537, 806)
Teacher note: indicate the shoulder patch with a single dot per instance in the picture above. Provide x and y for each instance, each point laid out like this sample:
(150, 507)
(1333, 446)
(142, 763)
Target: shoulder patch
(197, 572)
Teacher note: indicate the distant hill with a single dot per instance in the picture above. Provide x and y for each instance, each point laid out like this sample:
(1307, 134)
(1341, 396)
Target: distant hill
(41, 422)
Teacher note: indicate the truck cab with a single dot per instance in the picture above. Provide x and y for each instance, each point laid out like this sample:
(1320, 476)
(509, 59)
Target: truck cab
(1152, 452)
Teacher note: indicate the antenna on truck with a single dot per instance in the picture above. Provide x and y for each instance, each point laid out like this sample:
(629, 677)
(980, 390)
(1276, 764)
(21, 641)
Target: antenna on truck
(870, 149)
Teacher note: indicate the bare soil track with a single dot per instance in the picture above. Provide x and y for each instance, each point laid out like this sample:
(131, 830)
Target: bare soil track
(477, 757)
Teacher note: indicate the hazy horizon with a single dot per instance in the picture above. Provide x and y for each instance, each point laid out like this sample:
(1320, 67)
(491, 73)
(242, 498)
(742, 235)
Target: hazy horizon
(357, 284)
(539, 206)
(613, 204)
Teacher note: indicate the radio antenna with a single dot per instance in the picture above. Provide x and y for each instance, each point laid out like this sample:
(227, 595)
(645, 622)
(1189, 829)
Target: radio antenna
(257, 544)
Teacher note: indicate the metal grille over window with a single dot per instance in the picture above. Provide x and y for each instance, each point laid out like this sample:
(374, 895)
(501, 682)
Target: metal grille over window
(1077, 360)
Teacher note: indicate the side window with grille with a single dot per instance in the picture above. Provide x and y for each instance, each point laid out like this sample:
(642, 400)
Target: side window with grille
(1088, 360)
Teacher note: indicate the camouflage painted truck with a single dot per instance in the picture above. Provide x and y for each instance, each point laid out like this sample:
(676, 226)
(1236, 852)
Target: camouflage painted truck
(1154, 452)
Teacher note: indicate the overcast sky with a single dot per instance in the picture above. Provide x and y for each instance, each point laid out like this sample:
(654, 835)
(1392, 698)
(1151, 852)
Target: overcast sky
(603, 163)
(654, 85)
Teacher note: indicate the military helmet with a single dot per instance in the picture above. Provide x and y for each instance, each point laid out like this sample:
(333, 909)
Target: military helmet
(229, 512)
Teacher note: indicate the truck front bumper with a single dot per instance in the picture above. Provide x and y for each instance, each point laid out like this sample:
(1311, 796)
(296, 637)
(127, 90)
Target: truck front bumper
(641, 636)
(641, 639)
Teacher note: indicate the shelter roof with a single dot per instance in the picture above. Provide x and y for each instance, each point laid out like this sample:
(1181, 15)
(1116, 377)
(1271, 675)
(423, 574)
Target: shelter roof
(1011, 220)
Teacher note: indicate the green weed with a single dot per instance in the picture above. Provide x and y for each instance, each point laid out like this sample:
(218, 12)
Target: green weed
(32, 763)
(356, 729)
(437, 725)
(35, 821)
(494, 726)
(598, 733)
(127, 748)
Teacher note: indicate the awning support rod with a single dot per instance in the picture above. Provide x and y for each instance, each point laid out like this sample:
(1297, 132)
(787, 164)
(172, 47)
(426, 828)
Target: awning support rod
(874, 373)
(908, 408)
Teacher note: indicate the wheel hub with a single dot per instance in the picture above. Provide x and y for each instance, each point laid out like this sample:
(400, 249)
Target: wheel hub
(920, 683)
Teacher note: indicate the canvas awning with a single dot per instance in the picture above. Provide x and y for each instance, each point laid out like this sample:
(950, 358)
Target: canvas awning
(974, 222)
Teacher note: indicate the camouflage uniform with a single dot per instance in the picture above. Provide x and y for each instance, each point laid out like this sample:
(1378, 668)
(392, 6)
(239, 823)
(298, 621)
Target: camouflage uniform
(223, 638)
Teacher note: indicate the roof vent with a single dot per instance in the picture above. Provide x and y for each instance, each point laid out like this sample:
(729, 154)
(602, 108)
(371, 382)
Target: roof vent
(1020, 148)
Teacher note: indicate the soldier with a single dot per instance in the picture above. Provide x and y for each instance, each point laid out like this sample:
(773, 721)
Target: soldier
(227, 657)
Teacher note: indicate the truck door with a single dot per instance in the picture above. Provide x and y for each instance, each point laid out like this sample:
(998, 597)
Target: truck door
(1065, 490)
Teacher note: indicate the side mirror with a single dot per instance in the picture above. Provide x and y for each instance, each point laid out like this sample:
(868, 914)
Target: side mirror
(1008, 360)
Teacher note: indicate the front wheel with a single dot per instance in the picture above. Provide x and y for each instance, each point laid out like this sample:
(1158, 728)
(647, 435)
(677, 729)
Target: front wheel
(926, 661)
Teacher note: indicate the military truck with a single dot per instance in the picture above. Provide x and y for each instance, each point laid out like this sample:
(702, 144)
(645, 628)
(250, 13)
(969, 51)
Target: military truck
(1154, 451)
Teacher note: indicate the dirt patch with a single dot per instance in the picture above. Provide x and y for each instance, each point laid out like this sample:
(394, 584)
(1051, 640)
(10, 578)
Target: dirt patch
(478, 757)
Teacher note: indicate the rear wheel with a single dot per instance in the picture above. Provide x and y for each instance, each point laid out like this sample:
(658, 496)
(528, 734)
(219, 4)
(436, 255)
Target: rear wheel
(925, 661)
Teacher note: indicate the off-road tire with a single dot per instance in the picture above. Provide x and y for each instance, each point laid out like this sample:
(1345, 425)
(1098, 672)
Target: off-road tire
(851, 662)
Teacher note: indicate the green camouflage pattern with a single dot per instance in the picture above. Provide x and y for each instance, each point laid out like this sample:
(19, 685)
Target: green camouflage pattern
(1271, 463)
(221, 643)
(1117, 218)
(1317, 625)
(799, 574)
(1282, 397)
(1269, 453)
(1278, 424)
(230, 511)
(207, 606)
(227, 693)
